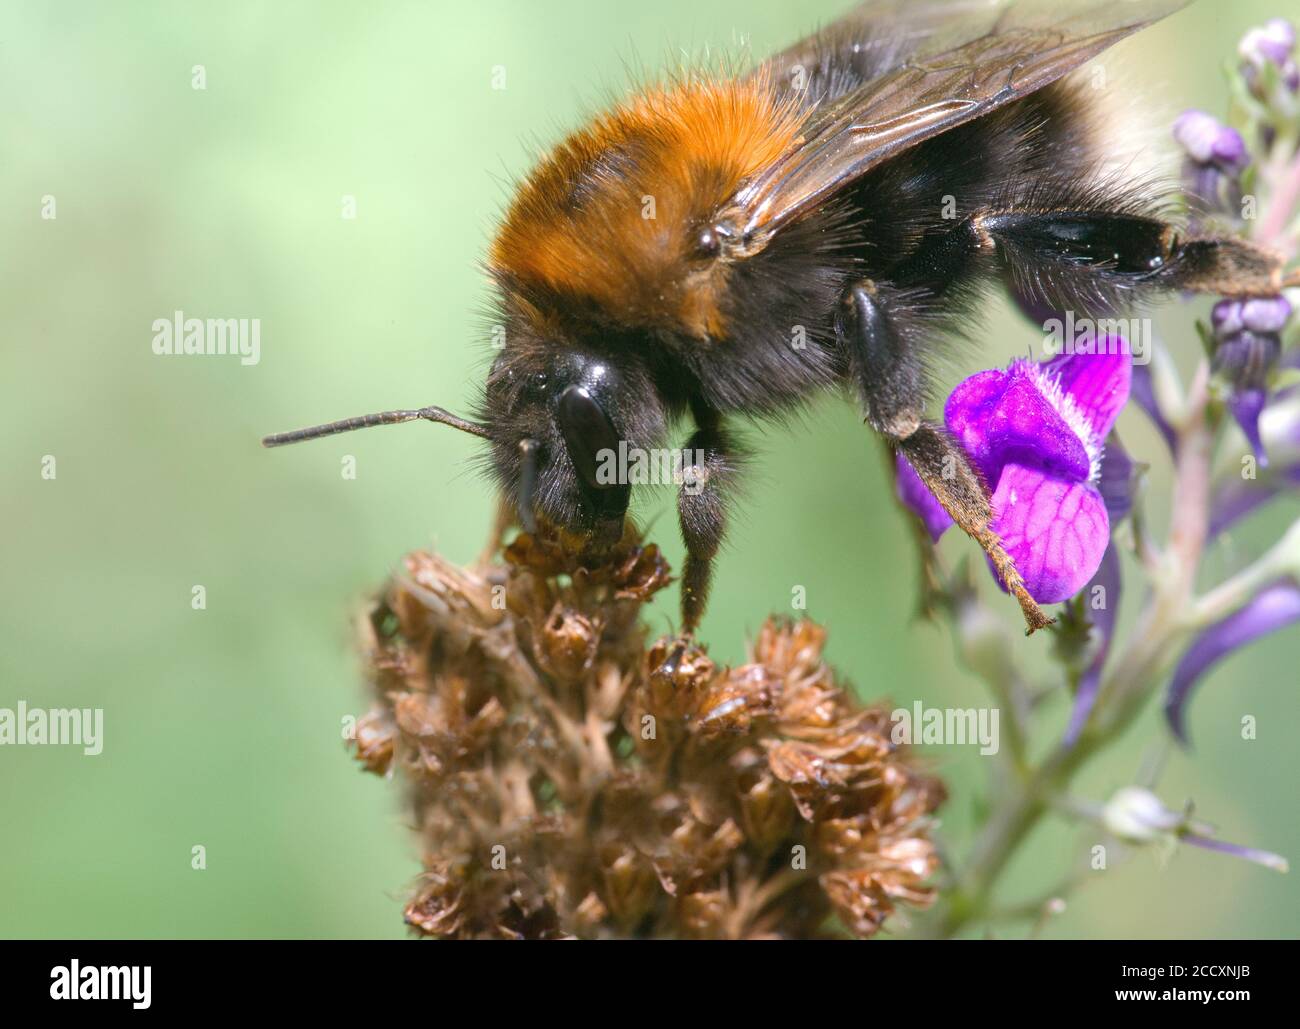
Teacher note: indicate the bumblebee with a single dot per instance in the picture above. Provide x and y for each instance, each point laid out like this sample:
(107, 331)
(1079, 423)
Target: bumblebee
(717, 247)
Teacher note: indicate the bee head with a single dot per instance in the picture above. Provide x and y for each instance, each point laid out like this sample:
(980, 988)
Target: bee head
(561, 421)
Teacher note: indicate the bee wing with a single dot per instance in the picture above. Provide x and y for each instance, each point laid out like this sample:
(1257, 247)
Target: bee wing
(938, 64)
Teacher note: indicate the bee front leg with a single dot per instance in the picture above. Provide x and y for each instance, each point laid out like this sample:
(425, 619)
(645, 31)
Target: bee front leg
(886, 361)
(709, 464)
(707, 469)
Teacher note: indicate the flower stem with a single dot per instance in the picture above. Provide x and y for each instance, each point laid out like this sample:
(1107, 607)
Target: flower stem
(1274, 227)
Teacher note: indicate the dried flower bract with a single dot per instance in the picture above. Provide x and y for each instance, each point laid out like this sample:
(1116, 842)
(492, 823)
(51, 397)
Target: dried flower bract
(567, 780)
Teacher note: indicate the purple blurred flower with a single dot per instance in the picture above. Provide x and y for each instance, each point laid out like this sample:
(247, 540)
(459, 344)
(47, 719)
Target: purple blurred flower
(1106, 585)
(1237, 496)
(1216, 155)
(1241, 497)
(1272, 608)
(1271, 43)
(1144, 395)
(917, 496)
(1103, 590)
(1208, 141)
(1260, 857)
(1138, 816)
(1035, 432)
(1116, 481)
(1248, 343)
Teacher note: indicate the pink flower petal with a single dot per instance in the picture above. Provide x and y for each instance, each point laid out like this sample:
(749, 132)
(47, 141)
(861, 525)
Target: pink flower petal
(971, 404)
(1026, 429)
(1000, 417)
(1056, 532)
(1098, 382)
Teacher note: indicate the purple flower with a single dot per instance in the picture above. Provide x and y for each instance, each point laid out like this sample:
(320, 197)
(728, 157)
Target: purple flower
(916, 495)
(1216, 155)
(1035, 432)
(1270, 44)
(1273, 41)
(1271, 609)
(1208, 141)
(1248, 343)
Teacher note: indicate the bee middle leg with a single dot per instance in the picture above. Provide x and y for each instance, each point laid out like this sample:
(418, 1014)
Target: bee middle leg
(888, 369)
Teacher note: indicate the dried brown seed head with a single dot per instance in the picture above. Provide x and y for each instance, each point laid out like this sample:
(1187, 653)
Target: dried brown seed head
(564, 783)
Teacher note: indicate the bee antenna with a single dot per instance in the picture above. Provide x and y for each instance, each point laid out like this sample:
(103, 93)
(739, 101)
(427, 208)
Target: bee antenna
(431, 414)
(527, 484)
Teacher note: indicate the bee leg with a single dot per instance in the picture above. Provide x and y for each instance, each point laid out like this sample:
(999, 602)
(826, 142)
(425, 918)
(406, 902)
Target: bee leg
(708, 466)
(1101, 255)
(889, 372)
(943, 467)
(702, 512)
(709, 461)
(927, 560)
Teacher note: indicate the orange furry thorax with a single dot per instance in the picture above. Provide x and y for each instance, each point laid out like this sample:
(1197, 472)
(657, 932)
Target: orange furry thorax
(607, 223)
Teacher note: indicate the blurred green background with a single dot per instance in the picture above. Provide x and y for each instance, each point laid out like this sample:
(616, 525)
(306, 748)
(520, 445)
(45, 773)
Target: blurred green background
(222, 726)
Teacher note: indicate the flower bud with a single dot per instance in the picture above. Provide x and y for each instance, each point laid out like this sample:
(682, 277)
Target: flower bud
(982, 638)
(1208, 141)
(1273, 41)
(629, 879)
(1249, 344)
(1137, 815)
(703, 914)
(374, 737)
(568, 643)
(767, 811)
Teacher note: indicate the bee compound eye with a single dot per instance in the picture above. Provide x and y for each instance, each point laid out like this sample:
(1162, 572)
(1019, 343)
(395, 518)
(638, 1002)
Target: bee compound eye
(589, 435)
(708, 243)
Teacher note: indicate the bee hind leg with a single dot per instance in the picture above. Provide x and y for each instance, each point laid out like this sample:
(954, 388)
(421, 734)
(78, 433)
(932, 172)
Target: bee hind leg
(888, 369)
(1099, 260)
